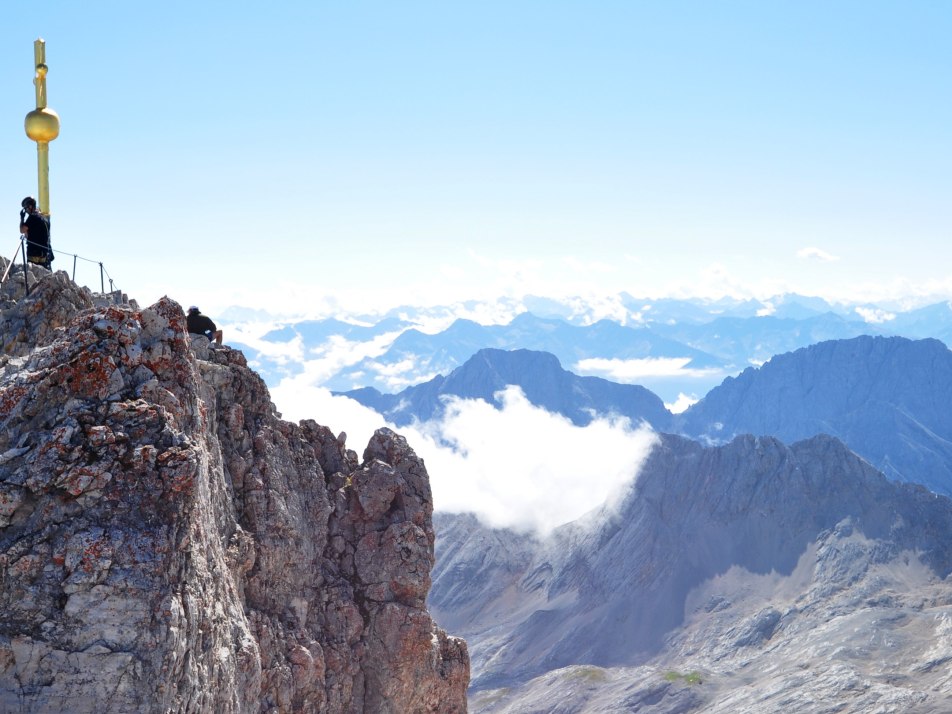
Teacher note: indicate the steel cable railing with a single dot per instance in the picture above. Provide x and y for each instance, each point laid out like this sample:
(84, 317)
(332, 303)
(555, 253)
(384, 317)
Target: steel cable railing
(22, 248)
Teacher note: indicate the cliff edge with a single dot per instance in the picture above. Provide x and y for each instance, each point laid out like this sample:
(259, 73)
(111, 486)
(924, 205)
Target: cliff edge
(169, 544)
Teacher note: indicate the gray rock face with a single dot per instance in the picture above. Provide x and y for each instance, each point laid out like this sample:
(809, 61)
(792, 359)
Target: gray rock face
(53, 301)
(168, 544)
(747, 577)
(886, 398)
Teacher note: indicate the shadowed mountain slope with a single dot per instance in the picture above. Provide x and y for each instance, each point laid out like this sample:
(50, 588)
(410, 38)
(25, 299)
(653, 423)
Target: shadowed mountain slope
(888, 399)
(717, 557)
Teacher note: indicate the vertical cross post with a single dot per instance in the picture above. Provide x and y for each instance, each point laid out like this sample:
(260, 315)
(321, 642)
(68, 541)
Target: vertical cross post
(42, 126)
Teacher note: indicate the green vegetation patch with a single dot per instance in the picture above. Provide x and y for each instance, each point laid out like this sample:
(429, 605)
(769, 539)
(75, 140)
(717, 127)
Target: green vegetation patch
(587, 674)
(689, 678)
(492, 696)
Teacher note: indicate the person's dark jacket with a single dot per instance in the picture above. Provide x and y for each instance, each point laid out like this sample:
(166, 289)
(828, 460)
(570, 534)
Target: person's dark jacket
(199, 324)
(38, 235)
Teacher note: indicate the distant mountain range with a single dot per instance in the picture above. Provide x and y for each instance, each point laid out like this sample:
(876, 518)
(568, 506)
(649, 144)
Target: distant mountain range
(748, 341)
(316, 331)
(767, 573)
(886, 398)
(668, 346)
(428, 355)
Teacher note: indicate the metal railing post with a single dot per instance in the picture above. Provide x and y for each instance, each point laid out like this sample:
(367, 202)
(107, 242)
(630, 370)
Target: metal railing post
(26, 282)
(102, 280)
(13, 261)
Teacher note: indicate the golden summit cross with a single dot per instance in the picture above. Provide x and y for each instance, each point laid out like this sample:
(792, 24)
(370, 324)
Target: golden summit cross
(42, 126)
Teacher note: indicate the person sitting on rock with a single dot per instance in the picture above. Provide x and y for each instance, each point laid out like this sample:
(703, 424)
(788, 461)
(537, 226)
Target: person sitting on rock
(199, 324)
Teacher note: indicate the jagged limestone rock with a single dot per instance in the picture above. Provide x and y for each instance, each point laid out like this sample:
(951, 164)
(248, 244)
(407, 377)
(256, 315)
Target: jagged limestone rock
(167, 544)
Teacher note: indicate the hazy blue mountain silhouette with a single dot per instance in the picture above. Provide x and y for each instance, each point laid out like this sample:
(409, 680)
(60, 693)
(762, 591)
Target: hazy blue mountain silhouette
(799, 307)
(541, 378)
(429, 355)
(887, 398)
(671, 311)
(929, 321)
(743, 341)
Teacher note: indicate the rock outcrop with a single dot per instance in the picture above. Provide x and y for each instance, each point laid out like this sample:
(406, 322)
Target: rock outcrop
(169, 544)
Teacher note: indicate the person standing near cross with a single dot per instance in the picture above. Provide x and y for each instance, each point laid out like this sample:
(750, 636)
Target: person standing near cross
(35, 227)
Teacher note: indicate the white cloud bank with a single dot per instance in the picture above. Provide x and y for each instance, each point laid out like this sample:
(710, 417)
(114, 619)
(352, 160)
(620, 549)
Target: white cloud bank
(519, 467)
(296, 399)
(681, 404)
(875, 316)
(523, 467)
(628, 370)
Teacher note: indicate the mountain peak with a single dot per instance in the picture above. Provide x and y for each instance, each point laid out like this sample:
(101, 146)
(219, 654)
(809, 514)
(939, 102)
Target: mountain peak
(540, 377)
(886, 397)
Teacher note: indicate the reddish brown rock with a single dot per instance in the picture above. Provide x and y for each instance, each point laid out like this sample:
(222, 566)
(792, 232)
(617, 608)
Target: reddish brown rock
(167, 544)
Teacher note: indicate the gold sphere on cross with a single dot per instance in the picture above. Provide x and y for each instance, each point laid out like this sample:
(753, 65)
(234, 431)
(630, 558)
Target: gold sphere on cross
(42, 124)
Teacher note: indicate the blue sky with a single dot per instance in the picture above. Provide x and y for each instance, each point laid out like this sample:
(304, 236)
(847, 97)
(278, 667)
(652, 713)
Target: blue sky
(351, 155)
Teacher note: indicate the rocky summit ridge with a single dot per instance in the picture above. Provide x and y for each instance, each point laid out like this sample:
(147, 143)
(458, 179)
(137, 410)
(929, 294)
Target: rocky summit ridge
(169, 544)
